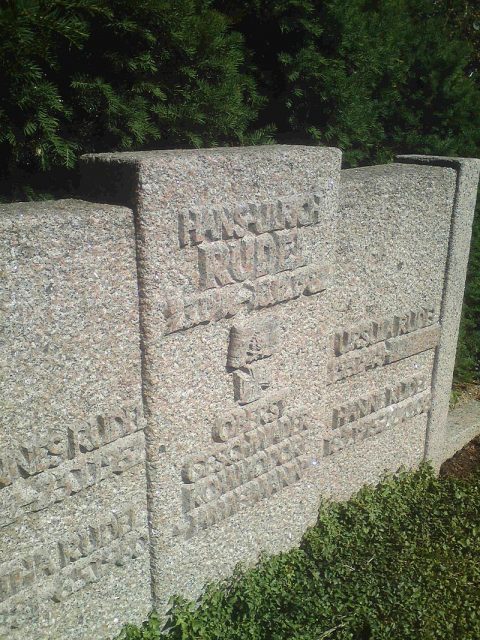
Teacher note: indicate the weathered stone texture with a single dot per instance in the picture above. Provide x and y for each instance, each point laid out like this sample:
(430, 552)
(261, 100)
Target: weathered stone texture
(439, 440)
(297, 329)
(73, 536)
(235, 266)
(290, 341)
(392, 235)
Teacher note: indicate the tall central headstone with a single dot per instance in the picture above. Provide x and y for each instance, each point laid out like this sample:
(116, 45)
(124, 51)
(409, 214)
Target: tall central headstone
(235, 255)
(298, 327)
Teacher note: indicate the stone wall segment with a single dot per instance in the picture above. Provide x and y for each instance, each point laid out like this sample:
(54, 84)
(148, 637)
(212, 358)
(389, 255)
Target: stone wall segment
(74, 559)
(438, 448)
(261, 332)
(392, 239)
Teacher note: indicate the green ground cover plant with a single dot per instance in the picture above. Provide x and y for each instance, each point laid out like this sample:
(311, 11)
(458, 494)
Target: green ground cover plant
(399, 561)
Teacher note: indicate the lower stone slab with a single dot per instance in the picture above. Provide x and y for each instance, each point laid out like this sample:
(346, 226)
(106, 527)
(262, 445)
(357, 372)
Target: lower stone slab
(74, 559)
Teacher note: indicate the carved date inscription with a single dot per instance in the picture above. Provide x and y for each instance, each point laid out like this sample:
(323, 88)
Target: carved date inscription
(352, 433)
(185, 312)
(380, 343)
(49, 470)
(77, 560)
(250, 256)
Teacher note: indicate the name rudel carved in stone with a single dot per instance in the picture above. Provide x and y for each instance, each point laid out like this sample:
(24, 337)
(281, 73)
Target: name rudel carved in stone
(52, 469)
(39, 454)
(77, 561)
(254, 249)
(261, 453)
(223, 263)
(353, 433)
(370, 333)
(380, 343)
(186, 312)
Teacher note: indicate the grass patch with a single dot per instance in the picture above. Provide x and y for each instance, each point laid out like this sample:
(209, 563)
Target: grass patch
(398, 561)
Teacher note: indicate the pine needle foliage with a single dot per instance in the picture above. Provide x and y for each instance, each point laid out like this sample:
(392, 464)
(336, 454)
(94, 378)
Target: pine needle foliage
(396, 562)
(374, 77)
(102, 75)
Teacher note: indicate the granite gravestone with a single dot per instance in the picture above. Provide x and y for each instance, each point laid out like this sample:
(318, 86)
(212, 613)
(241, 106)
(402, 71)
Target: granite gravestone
(235, 251)
(292, 349)
(73, 525)
(298, 326)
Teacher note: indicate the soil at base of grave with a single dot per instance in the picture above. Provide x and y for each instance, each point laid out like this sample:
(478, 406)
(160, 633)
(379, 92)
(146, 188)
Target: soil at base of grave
(464, 462)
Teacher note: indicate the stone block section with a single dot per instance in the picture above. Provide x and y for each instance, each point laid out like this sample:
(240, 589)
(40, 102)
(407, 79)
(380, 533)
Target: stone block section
(74, 557)
(392, 247)
(462, 211)
(236, 277)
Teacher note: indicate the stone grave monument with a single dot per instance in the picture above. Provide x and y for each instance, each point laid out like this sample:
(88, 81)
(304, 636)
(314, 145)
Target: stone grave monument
(237, 334)
(73, 518)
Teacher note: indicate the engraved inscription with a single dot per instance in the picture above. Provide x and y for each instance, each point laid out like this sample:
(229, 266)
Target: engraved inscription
(121, 529)
(354, 363)
(223, 263)
(245, 419)
(79, 576)
(352, 433)
(40, 454)
(183, 313)
(262, 451)
(361, 407)
(55, 485)
(422, 340)
(216, 222)
(375, 331)
(364, 349)
(249, 494)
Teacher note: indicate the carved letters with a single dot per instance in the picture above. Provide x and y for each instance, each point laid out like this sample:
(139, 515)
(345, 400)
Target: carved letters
(216, 222)
(40, 454)
(263, 451)
(222, 263)
(352, 433)
(356, 409)
(78, 560)
(249, 256)
(375, 331)
(55, 485)
(183, 313)
(376, 344)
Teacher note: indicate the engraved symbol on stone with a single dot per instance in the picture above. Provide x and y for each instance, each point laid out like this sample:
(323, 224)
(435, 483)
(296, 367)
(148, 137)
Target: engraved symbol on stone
(249, 383)
(249, 343)
(252, 342)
